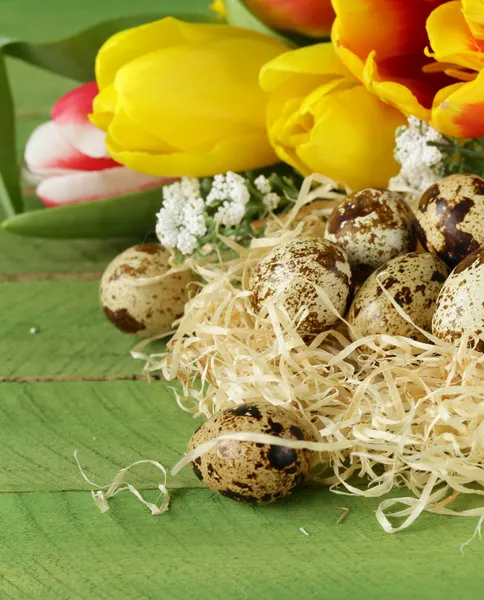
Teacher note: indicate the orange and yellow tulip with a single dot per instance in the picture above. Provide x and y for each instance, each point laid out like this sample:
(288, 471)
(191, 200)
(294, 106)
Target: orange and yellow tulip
(424, 57)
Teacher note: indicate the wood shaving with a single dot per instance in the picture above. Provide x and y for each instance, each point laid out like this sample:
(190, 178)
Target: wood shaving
(387, 412)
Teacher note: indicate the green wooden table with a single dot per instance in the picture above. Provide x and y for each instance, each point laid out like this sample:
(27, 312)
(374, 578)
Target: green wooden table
(70, 386)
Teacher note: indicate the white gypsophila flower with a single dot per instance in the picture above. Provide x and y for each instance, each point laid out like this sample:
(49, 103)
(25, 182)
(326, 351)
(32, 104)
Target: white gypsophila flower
(271, 201)
(263, 185)
(187, 243)
(181, 221)
(230, 189)
(421, 164)
(230, 214)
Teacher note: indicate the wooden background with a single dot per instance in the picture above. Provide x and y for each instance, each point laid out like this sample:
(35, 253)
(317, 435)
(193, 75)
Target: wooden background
(54, 543)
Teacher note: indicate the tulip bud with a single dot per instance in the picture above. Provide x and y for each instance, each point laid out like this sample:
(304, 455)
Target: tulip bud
(308, 17)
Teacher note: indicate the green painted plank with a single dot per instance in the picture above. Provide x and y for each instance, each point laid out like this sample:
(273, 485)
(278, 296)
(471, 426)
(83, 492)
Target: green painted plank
(73, 339)
(209, 548)
(51, 19)
(111, 424)
(20, 255)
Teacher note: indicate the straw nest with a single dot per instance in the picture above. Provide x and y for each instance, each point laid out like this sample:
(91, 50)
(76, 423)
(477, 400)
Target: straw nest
(387, 412)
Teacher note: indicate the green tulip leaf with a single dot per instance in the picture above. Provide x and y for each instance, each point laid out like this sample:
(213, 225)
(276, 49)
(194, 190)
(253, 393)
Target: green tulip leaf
(74, 57)
(120, 216)
(10, 198)
(240, 16)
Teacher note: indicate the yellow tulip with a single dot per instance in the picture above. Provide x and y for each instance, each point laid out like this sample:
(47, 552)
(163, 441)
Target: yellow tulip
(321, 119)
(183, 99)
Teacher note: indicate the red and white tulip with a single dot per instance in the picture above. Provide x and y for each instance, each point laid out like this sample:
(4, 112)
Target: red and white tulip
(67, 158)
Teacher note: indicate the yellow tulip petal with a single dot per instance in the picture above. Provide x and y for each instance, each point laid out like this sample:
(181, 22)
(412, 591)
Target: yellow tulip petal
(351, 138)
(239, 153)
(354, 141)
(305, 66)
(130, 44)
(459, 109)
(130, 136)
(474, 15)
(191, 96)
(103, 107)
(451, 39)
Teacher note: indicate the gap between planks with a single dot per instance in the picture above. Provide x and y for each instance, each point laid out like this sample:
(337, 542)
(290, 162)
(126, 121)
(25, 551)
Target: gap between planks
(153, 488)
(67, 378)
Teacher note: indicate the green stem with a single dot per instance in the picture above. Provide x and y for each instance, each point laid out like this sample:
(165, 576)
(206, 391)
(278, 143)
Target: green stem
(458, 149)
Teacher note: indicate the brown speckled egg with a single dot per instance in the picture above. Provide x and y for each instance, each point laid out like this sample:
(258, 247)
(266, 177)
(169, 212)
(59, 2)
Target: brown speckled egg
(144, 310)
(414, 281)
(460, 306)
(372, 226)
(291, 270)
(250, 472)
(450, 217)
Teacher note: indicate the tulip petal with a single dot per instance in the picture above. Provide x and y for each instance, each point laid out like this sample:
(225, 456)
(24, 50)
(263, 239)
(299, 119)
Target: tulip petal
(136, 42)
(389, 27)
(474, 15)
(103, 108)
(48, 153)
(308, 66)
(389, 58)
(451, 38)
(71, 116)
(76, 187)
(459, 109)
(126, 134)
(343, 132)
(406, 94)
(354, 141)
(209, 91)
(235, 153)
(308, 17)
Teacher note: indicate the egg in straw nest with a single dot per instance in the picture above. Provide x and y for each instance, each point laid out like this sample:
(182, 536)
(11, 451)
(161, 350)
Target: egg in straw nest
(387, 411)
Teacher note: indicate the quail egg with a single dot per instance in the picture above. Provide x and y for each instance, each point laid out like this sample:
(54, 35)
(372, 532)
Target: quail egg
(460, 305)
(372, 226)
(292, 270)
(414, 281)
(450, 217)
(144, 309)
(247, 471)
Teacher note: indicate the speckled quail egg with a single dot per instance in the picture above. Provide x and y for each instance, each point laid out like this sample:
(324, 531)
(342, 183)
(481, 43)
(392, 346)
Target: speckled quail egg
(144, 310)
(460, 305)
(450, 217)
(290, 272)
(248, 471)
(414, 281)
(372, 226)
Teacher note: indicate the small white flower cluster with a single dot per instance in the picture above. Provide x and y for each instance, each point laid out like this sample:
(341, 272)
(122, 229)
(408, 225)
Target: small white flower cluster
(231, 190)
(270, 199)
(181, 221)
(422, 165)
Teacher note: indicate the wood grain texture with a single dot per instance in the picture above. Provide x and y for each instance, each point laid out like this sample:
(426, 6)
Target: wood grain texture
(29, 255)
(111, 424)
(73, 336)
(206, 547)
